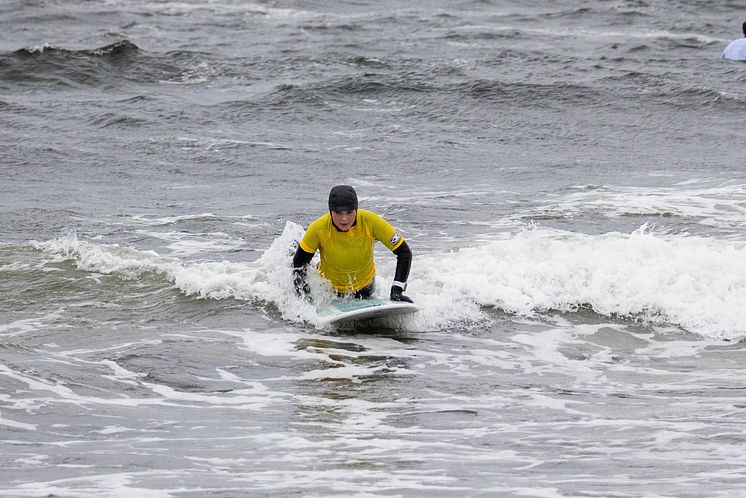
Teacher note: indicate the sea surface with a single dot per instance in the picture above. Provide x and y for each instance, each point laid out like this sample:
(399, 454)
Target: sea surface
(571, 178)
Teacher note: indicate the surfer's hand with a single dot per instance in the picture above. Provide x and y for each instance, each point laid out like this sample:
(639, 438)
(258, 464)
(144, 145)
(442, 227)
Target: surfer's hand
(305, 293)
(301, 287)
(397, 294)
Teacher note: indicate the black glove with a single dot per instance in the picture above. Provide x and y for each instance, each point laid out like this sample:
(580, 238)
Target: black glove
(396, 294)
(301, 286)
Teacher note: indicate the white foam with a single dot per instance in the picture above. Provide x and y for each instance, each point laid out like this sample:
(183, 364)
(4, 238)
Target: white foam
(188, 244)
(34, 460)
(721, 206)
(333, 360)
(26, 325)
(113, 429)
(694, 282)
(253, 397)
(591, 34)
(98, 486)
(170, 220)
(16, 266)
(17, 425)
(121, 374)
(220, 7)
(698, 283)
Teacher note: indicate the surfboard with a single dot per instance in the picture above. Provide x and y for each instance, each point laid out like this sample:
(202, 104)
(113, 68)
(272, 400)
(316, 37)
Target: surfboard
(352, 310)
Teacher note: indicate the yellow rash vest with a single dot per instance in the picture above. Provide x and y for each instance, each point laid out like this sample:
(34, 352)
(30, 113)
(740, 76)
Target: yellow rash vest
(347, 257)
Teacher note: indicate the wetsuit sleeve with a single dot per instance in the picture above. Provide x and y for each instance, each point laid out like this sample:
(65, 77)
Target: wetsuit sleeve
(301, 258)
(403, 264)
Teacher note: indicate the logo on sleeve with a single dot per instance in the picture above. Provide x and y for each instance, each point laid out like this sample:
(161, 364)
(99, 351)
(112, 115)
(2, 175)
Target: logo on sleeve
(394, 239)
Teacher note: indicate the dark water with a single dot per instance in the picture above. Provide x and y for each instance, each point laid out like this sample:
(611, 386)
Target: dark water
(570, 176)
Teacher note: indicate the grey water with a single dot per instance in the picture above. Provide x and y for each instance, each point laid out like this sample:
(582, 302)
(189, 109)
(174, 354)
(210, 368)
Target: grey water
(569, 175)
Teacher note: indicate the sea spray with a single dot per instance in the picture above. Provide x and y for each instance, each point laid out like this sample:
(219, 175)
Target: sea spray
(266, 280)
(696, 283)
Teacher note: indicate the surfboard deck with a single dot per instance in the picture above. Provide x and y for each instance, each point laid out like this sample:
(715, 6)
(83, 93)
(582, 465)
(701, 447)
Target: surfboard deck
(352, 310)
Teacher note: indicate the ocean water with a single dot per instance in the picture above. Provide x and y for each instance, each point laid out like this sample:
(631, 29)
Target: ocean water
(570, 177)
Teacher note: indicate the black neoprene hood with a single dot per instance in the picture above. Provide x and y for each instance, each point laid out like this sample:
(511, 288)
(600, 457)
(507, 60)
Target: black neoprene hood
(342, 198)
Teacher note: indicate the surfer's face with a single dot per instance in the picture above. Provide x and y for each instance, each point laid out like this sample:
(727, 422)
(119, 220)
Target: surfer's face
(344, 220)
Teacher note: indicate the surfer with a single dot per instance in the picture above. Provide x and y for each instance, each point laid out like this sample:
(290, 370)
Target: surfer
(344, 238)
(736, 50)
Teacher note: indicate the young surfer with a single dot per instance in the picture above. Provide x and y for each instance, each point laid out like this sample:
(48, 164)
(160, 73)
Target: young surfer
(344, 238)
(736, 50)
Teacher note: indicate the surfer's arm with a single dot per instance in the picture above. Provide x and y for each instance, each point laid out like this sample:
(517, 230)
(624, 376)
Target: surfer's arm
(403, 264)
(300, 263)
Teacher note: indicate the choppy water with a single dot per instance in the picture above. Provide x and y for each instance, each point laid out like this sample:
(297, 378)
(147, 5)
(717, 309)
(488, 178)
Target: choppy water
(569, 176)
